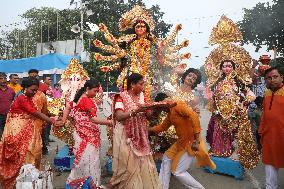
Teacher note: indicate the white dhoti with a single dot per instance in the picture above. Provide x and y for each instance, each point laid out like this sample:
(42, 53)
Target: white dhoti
(271, 177)
(181, 172)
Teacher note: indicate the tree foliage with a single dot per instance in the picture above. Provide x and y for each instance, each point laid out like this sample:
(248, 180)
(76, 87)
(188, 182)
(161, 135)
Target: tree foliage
(41, 26)
(109, 13)
(264, 25)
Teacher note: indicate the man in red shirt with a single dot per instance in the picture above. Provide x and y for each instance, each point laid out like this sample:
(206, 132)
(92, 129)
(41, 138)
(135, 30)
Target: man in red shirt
(6, 98)
(45, 86)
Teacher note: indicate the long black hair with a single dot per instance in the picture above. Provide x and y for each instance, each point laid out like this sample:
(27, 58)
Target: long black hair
(92, 83)
(133, 79)
(160, 97)
(196, 72)
(27, 82)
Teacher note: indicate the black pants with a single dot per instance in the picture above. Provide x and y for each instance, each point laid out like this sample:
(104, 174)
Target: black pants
(45, 136)
(2, 124)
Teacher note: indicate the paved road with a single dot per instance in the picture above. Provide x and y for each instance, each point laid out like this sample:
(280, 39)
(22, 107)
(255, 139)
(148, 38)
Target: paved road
(209, 181)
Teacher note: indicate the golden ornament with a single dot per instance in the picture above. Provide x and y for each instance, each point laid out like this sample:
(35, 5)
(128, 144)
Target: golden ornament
(137, 13)
(225, 32)
(74, 68)
(227, 97)
(56, 105)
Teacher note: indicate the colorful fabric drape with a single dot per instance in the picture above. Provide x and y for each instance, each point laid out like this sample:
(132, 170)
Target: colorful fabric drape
(87, 141)
(133, 165)
(18, 141)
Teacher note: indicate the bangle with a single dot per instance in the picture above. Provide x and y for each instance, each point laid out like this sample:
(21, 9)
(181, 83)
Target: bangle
(132, 113)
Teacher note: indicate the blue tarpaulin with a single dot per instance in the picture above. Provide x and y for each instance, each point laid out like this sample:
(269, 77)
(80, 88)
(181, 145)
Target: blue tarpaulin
(44, 62)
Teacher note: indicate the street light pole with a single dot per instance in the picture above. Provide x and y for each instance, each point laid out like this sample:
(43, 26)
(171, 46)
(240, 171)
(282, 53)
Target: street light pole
(47, 31)
(41, 37)
(82, 25)
(57, 25)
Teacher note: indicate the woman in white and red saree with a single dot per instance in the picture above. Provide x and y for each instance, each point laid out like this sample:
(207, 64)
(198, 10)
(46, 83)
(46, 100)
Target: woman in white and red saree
(133, 165)
(87, 133)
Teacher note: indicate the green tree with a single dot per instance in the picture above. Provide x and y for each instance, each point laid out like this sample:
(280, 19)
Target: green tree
(263, 25)
(109, 13)
(41, 26)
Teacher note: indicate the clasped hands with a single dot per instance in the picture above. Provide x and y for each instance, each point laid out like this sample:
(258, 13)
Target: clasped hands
(144, 107)
(57, 121)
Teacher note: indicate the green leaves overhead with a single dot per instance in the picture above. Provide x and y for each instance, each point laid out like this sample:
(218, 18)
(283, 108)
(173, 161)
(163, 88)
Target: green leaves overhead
(264, 25)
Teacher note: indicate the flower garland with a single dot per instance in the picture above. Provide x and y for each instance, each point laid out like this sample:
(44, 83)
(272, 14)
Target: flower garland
(140, 45)
(138, 56)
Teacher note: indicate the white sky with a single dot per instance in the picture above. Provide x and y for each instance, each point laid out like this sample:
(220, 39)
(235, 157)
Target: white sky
(197, 16)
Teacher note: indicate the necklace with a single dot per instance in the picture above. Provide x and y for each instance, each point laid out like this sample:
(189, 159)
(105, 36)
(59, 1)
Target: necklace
(184, 96)
(140, 58)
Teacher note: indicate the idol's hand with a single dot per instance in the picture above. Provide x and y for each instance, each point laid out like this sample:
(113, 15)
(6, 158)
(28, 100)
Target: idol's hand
(178, 27)
(208, 93)
(180, 69)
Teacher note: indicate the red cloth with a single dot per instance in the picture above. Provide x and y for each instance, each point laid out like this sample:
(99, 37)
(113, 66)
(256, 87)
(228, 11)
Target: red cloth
(88, 131)
(6, 99)
(87, 105)
(43, 87)
(14, 146)
(23, 104)
(272, 128)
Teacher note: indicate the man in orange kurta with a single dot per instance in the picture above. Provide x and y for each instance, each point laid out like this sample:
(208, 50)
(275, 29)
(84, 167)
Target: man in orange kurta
(272, 127)
(13, 83)
(179, 156)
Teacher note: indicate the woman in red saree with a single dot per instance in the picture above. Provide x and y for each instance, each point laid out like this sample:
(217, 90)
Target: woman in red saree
(87, 132)
(133, 165)
(18, 140)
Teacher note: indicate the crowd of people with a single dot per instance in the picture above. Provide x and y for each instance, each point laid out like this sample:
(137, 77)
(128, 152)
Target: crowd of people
(153, 86)
(25, 115)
